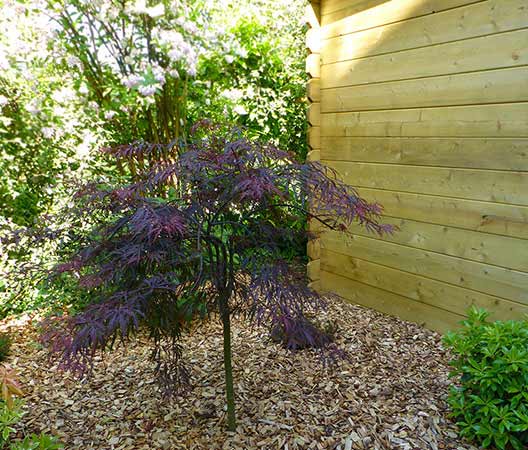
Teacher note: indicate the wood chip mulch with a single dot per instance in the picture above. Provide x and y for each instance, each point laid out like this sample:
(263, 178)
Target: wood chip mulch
(391, 394)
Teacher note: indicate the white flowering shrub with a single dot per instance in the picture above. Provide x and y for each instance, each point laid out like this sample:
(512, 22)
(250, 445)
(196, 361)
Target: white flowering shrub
(154, 69)
(137, 61)
(78, 74)
(47, 131)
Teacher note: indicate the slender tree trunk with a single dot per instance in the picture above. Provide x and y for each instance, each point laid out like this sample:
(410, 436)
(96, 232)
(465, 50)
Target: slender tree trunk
(230, 392)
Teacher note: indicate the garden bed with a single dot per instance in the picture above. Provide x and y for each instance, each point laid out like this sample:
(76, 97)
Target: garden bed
(389, 395)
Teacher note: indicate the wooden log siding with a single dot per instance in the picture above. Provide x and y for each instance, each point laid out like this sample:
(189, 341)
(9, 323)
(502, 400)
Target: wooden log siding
(313, 93)
(423, 106)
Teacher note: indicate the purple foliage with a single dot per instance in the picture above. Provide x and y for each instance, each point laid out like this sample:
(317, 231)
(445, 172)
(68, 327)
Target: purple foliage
(200, 233)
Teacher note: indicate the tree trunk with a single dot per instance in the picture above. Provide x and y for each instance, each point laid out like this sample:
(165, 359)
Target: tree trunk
(230, 392)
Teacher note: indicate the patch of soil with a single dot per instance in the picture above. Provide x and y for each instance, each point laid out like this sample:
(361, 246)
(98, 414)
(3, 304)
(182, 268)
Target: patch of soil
(391, 394)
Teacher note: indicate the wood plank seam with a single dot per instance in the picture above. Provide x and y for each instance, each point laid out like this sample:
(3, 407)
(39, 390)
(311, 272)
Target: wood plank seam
(425, 77)
(421, 276)
(437, 252)
(410, 303)
(470, 274)
(462, 4)
(467, 299)
(430, 166)
(492, 22)
(395, 52)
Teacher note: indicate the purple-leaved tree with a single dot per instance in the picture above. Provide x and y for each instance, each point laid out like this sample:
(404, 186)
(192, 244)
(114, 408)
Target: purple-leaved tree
(202, 234)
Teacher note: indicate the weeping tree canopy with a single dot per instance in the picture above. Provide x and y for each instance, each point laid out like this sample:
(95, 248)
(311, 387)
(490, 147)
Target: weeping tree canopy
(203, 233)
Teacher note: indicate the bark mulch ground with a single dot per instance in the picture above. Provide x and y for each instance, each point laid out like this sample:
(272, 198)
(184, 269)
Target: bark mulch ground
(391, 394)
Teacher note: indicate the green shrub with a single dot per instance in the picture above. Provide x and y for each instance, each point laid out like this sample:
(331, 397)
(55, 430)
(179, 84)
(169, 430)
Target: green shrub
(491, 361)
(40, 441)
(5, 345)
(9, 416)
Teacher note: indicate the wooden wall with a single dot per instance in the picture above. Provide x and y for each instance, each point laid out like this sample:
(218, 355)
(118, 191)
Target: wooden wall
(313, 93)
(423, 105)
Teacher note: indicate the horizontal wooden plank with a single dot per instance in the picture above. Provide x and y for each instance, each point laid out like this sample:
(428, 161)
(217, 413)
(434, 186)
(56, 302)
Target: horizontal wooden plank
(498, 281)
(501, 120)
(477, 19)
(381, 12)
(314, 249)
(503, 251)
(352, 6)
(495, 218)
(390, 303)
(315, 285)
(314, 137)
(312, 14)
(313, 40)
(471, 55)
(313, 65)
(313, 90)
(419, 288)
(314, 155)
(481, 153)
(491, 86)
(485, 185)
(313, 269)
(314, 114)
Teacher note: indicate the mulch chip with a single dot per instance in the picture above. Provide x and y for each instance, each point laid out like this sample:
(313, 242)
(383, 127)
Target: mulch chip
(390, 394)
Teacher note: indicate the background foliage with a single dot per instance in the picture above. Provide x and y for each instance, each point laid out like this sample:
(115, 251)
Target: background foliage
(76, 75)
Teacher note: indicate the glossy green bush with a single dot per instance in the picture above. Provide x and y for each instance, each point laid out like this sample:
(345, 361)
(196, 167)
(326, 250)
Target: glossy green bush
(491, 362)
(40, 441)
(8, 418)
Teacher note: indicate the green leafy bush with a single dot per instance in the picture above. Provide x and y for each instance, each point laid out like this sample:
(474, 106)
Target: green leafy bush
(5, 345)
(40, 441)
(9, 416)
(491, 359)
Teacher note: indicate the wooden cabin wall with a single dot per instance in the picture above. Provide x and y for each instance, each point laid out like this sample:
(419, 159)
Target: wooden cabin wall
(313, 93)
(423, 106)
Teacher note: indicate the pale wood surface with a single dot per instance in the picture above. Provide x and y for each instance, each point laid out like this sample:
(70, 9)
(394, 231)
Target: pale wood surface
(312, 14)
(314, 114)
(483, 53)
(424, 108)
(314, 137)
(313, 65)
(313, 93)
(494, 218)
(477, 153)
(313, 90)
(314, 269)
(389, 302)
(313, 155)
(477, 19)
(501, 120)
(477, 246)
(418, 288)
(357, 17)
(486, 185)
(313, 40)
(498, 281)
(491, 86)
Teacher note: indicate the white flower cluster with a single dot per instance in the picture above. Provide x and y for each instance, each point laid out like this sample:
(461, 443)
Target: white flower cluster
(140, 7)
(147, 84)
(177, 48)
